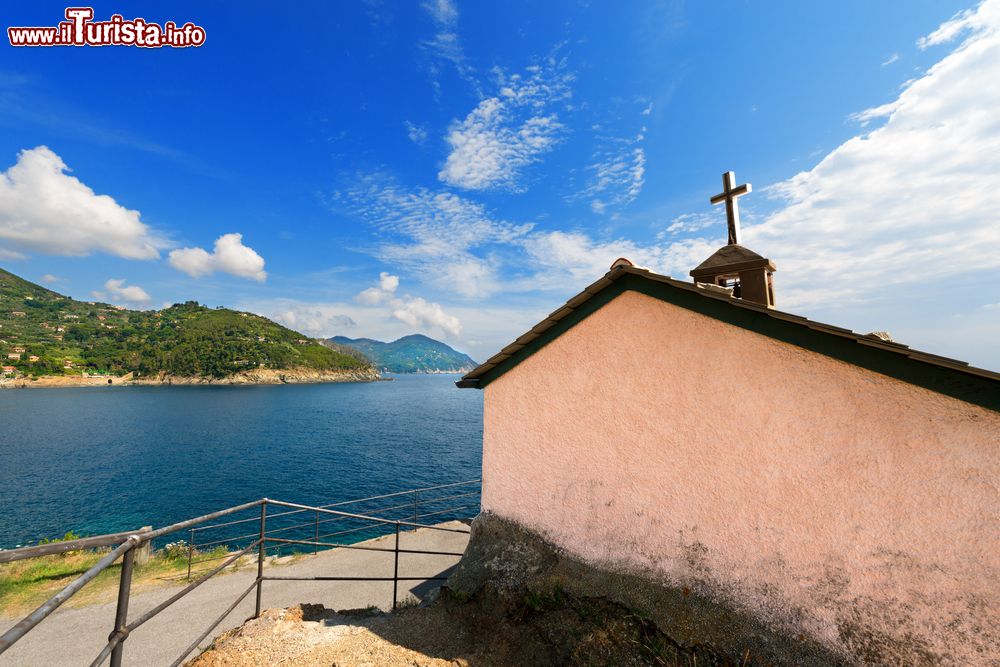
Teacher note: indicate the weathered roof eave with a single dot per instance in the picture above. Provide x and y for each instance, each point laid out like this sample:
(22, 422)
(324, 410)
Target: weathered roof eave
(536, 337)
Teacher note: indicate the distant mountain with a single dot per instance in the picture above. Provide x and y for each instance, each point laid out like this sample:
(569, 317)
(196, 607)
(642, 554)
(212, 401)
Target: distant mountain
(410, 354)
(43, 333)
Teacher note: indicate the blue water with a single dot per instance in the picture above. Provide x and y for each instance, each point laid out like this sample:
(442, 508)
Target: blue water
(108, 459)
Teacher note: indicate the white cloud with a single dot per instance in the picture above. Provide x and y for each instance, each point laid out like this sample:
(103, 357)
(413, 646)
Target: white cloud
(440, 232)
(384, 291)
(485, 328)
(387, 282)
(229, 256)
(416, 133)
(618, 175)
(117, 291)
(890, 60)
(874, 113)
(44, 209)
(419, 313)
(952, 28)
(415, 311)
(318, 320)
(618, 171)
(50, 279)
(445, 47)
(573, 258)
(506, 133)
(378, 311)
(195, 262)
(458, 246)
(443, 12)
(694, 222)
(892, 217)
(913, 201)
(371, 296)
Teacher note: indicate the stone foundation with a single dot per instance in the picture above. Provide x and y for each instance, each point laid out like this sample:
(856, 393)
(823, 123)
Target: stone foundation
(508, 562)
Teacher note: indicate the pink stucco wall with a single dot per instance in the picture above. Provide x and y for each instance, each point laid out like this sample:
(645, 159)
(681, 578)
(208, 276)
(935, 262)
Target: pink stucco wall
(823, 498)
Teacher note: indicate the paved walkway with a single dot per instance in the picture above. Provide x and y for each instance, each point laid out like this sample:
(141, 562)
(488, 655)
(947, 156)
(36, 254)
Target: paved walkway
(76, 636)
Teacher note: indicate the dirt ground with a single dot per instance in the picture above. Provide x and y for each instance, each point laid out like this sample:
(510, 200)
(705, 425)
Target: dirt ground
(544, 630)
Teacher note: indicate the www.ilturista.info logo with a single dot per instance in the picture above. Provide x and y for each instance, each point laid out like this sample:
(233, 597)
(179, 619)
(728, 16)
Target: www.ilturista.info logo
(79, 29)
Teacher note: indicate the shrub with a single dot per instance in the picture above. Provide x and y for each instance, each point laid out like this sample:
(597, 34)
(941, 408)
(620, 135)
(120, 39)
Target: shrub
(70, 535)
(175, 550)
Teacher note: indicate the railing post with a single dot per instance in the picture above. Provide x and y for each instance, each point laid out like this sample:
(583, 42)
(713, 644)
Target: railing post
(261, 554)
(316, 546)
(121, 613)
(414, 505)
(190, 552)
(144, 551)
(395, 569)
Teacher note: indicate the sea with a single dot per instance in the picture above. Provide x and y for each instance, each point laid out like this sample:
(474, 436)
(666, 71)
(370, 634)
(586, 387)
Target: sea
(97, 460)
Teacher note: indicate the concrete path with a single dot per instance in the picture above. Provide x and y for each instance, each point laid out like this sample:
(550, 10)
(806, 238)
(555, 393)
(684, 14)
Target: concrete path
(75, 636)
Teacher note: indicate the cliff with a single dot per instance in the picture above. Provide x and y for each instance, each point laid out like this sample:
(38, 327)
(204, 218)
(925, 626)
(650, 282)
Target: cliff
(46, 335)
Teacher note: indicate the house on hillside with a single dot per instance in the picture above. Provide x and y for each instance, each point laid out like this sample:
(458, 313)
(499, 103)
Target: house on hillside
(9, 370)
(833, 488)
(14, 356)
(18, 313)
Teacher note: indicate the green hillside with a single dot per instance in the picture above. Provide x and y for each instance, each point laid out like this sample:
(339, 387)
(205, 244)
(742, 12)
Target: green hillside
(56, 335)
(410, 354)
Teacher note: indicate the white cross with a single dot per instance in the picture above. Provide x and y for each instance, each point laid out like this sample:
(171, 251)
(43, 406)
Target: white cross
(729, 195)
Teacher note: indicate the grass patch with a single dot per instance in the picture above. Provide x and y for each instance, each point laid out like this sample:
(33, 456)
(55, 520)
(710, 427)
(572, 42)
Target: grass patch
(25, 584)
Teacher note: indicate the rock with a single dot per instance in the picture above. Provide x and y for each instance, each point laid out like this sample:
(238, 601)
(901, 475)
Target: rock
(269, 376)
(508, 568)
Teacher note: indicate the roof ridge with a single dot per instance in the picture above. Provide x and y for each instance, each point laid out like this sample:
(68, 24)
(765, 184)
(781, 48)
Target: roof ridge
(490, 369)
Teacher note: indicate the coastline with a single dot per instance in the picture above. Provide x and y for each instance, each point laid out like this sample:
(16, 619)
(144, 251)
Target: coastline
(257, 376)
(429, 372)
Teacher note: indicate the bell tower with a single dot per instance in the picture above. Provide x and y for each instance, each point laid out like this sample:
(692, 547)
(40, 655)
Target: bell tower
(749, 275)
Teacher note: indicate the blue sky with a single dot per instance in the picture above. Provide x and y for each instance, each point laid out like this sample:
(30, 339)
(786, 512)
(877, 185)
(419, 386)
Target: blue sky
(379, 168)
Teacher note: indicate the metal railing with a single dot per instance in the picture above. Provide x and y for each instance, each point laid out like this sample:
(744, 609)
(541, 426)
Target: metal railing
(126, 545)
(412, 504)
